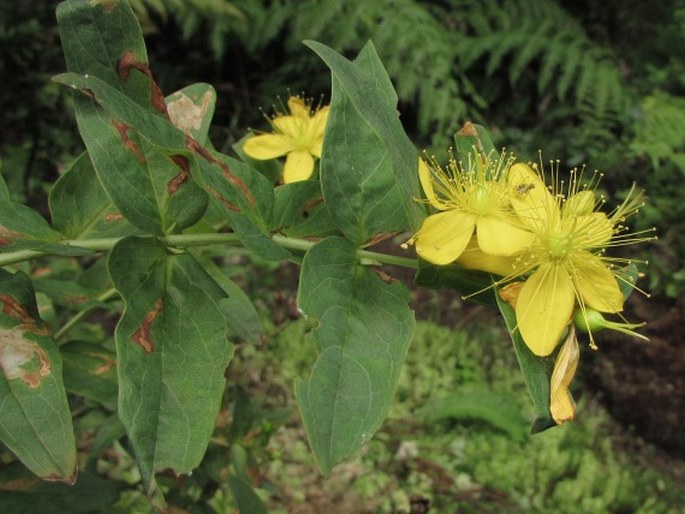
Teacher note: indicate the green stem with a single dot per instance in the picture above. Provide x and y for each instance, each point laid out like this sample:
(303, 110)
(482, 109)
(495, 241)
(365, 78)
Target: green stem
(188, 240)
(110, 293)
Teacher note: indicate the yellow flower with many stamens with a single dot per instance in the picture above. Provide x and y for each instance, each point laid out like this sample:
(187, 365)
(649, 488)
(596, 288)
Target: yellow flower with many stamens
(474, 198)
(566, 260)
(298, 136)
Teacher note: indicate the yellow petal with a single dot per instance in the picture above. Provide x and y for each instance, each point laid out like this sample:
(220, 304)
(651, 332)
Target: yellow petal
(299, 165)
(497, 236)
(290, 126)
(443, 236)
(531, 199)
(596, 229)
(579, 204)
(425, 177)
(544, 308)
(596, 284)
(318, 122)
(474, 258)
(267, 146)
(561, 405)
(298, 107)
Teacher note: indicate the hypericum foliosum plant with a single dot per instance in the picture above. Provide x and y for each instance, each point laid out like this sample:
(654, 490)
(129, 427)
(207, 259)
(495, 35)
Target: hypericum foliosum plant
(143, 221)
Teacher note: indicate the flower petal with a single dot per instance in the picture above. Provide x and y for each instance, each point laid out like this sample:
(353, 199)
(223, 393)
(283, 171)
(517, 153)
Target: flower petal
(299, 165)
(561, 405)
(443, 236)
(317, 125)
(594, 230)
(426, 179)
(267, 146)
(544, 308)
(596, 284)
(497, 236)
(298, 107)
(531, 199)
(474, 258)
(290, 126)
(579, 204)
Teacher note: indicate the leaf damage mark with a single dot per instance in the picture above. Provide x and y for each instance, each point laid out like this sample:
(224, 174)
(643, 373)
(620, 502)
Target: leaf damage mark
(143, 336)
(107, 5)
(228, 174)
(107, 362)
(182, 162)
(115, 216)
(126, 63)
(17, 353)
(132, 147)
(17, 357)
(468, 130)
(220, 198)
(8, 236)
(185, 113)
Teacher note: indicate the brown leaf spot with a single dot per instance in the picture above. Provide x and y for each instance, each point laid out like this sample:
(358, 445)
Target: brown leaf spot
(182, 162)
(107, 5)
(224, 202)
(196, 147)
(8, 236)
(115, 216)
(108, 362)
(310, 204)
(384, 276)
(185, 114)
(18, 357)
(75, 299)
(381, 236)
(124, 66)
(468, 130)
(15, 310)
(132, 147)
(142, 337)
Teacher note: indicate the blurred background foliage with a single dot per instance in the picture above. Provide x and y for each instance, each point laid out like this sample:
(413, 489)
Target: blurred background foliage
(596, 83)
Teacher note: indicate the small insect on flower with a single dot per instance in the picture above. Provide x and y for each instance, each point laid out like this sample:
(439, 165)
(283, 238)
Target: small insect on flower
(566, 263)
(470, 197)
(298, 136)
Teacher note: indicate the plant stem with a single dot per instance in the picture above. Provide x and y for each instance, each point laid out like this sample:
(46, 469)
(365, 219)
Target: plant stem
(188, 240)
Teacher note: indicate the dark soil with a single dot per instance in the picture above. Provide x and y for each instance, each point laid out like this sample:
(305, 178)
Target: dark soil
(643, 383)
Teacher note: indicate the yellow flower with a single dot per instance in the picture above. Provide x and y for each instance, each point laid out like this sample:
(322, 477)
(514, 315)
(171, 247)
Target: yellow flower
(471, 199)
(298, 136)
(561, 404)
(566, 258)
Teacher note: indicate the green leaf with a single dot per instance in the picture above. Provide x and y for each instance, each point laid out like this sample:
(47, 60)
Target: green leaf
(299, 210)
(477, 402)
(247, 500)
(368, 166)
(536, 371)
(172, 352)
(89, 494)
(246, 198)
(191, 110)
(364, 330)
(22, 228)
(36, 421)
(80, 207)
(472, 284)
(241, 315)
(90, 371)
(139, 156)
